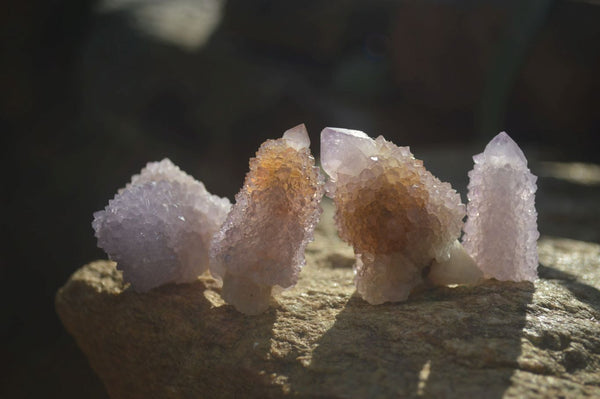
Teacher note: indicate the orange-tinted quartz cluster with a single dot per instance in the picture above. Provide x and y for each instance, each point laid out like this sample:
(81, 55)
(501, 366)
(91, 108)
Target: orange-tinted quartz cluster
(262, 242)
(398, 216)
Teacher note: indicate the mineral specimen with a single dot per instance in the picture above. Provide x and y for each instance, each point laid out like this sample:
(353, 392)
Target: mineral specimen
(460, 268)
(159, 227)
(501, 230)
(398, 217)
(261, 244)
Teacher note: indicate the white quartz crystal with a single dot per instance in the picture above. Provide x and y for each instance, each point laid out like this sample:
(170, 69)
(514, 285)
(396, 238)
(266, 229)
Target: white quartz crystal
(261, 244)
(345, 151)
(398, 216)
(501, 230)
(460, 268)
(159, 227)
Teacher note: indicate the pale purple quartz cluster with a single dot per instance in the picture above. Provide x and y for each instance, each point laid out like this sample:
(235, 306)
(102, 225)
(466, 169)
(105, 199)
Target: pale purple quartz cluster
(501, 230)
(159, 227)
(403, 222)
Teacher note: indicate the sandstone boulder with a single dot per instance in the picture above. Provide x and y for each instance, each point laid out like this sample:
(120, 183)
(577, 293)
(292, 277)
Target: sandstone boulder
(319, 339)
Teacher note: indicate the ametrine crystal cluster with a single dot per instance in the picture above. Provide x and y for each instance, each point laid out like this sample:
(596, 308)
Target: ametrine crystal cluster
(261, 244)
(501, 230)
(159, 227)
(164, 227)
(398, 216)
(402, 221)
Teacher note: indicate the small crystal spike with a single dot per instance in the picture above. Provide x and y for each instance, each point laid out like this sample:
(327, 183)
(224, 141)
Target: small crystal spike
(501, 229)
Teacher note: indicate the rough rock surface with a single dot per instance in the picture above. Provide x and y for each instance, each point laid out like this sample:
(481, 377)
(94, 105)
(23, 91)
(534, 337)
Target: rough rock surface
(497, 339)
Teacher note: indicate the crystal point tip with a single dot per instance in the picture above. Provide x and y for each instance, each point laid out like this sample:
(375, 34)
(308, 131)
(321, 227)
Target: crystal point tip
(341, 131)
(501, 229)
(345, 151)
(297, 137)
(504, 146)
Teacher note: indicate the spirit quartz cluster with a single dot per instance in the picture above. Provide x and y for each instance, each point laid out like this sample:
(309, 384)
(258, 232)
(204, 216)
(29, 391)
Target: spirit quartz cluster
(261, 244)
(159, 227)
(401, 220)
(404, 223)
(164, 226)
(501, 230)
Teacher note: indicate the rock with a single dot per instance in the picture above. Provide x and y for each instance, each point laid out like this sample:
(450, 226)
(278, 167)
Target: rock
(496, 339)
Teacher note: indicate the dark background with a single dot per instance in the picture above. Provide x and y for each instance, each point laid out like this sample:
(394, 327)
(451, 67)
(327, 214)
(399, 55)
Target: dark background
(91, 91)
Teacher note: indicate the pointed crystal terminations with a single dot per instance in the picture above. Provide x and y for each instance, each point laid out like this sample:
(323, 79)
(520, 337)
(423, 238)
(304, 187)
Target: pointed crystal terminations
(398, 217)
(501, 229)
(262, 242)
(159, 227)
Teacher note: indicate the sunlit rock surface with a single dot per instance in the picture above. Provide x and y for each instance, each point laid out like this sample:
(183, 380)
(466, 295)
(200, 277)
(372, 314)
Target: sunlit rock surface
(398, 216)
(159, 227)
(501, 229)
(497, 339)
(261, 244)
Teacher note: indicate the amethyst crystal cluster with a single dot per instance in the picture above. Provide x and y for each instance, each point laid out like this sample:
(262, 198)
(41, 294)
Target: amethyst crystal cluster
(164, 227)
(395, 213)
(501, 229)
(403, 222)
(261, 244)
(159, 227)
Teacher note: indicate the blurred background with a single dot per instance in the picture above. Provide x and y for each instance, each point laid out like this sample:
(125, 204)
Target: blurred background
(92, 90)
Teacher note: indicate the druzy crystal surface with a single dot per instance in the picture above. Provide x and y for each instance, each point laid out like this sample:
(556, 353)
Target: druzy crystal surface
(159, 227)
(501, 229)
(261, 244)
(398, 216)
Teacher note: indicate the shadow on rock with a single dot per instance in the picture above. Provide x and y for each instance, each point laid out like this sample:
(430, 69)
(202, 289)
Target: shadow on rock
(451, 342)
(583, 292)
